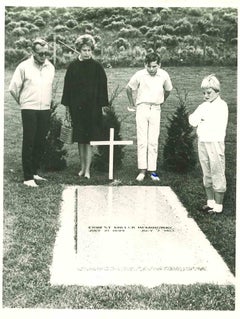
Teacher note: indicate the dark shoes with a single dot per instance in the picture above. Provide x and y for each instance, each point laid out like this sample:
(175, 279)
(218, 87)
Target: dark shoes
(207, 209)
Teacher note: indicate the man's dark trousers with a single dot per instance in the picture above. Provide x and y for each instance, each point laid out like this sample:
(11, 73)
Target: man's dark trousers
(35, 128)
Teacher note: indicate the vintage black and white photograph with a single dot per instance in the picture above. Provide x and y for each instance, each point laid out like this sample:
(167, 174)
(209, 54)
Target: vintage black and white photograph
(119, 146)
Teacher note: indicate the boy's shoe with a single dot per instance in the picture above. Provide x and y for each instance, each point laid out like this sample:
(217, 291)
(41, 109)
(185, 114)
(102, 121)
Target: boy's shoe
(154, 176)
(87, 176)
(213, 211)
(140, 177)
(30, 183)
(39, 178)
(205, 209)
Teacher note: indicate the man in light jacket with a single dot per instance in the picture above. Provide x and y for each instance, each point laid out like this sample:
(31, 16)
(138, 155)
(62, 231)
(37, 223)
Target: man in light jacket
(31, 87)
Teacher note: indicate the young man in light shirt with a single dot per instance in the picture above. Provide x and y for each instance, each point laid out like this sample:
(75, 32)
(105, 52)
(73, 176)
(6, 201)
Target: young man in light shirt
(31, 87)
(152, 85)
(211, 119)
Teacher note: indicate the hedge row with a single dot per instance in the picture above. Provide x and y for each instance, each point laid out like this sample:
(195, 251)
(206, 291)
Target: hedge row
(182, 36)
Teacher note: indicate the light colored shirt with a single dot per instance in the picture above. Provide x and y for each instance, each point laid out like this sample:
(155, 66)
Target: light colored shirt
(31, 84)
(150, 89)
(211, 119)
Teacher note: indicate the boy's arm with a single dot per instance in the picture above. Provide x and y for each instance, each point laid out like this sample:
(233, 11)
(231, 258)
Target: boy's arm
(167, 87)
(196, 117)
(166, 94)
(222, 116)
(130, 99)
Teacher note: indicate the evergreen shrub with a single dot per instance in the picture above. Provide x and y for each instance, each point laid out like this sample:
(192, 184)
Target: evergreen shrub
(195, 12)
(23, 43)
(115, 25)
(130, 32)
(19, 31)
(32, 27)
(25, 16)
(11, 25)
(60, 28)
(15, 56)
(183, 27)
(121, 42)
(110, 120)
(54, 156)
(144, 29)
(45, 14)
(178, 153)
(71, 23)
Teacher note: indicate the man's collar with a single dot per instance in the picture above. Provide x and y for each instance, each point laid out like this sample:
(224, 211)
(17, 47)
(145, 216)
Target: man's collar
(158, 72)
(46, 62)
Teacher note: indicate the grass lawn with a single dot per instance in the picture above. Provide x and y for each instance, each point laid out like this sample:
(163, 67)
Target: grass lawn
(31, 215)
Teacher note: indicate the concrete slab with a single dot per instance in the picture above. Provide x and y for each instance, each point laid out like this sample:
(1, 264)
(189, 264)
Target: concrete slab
(131, 235)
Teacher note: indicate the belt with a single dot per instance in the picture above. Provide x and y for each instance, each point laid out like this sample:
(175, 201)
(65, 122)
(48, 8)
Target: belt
(150, 104)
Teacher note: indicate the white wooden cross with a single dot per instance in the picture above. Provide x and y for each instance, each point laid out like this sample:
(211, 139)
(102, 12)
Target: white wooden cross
(111, 144)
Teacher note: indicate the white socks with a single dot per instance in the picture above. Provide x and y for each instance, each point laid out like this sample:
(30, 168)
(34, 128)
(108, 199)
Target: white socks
(211, 203)
(218, 208)
(215, 207)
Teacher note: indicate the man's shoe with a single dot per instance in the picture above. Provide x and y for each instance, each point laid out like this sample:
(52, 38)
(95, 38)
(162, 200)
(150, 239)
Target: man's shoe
(81, 173)
(39, 178)
(30, 183)
(154, 176)
(140, 177)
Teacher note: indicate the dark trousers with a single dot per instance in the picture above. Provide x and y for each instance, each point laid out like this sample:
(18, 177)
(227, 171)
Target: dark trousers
(35, 128)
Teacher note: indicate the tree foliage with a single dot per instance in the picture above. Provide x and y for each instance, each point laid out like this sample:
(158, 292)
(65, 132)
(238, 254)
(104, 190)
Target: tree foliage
(146, 27)
(54, 156)
(110, 120)
(178, 153)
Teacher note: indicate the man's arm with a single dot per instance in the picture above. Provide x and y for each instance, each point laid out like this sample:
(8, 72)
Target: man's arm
(14, 96)
(16, 84)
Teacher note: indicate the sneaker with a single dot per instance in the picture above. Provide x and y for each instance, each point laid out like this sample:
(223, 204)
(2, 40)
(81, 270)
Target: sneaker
(154, 176)
(30, 183)
(39, 178)
(140, 177)
(214, 211)
(81, 173)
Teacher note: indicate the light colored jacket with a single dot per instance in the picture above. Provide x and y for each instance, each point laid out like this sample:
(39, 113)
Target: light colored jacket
(211, 119)
(31, 84)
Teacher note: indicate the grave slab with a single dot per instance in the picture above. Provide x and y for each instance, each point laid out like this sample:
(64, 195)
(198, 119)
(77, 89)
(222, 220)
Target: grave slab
(131, 235)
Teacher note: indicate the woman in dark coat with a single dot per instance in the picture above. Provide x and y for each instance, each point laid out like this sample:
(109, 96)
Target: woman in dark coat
(85, 94)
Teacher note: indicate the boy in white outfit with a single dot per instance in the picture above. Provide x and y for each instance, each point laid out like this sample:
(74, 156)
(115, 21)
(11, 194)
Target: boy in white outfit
(211, 119)
(153, 86)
